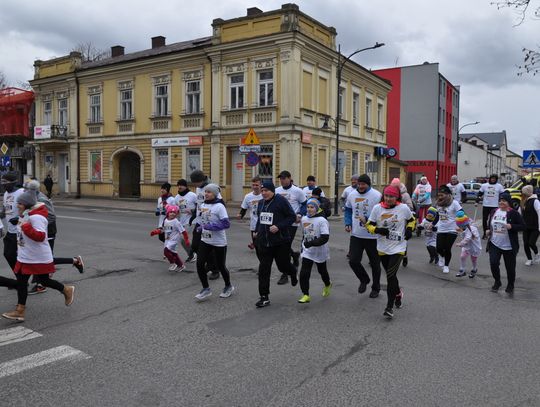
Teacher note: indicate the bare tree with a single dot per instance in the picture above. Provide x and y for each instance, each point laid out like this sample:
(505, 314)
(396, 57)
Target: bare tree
(90, 52)
(531, 57)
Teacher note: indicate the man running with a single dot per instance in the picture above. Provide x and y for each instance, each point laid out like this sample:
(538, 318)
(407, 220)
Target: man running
(457, 188)
(250, 203)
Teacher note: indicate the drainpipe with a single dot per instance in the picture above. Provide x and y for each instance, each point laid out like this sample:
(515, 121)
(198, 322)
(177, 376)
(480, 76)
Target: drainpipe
(211, 106)
(78, 195)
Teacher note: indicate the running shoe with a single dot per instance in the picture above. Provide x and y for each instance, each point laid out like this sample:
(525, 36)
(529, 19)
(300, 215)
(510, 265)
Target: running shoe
(326, 290)
(388, 313)
(227, 291)
(204, 294)
(405, 261)
(37, 289)
(374, 294)
(192, 258)
(496, 286)
(264, 301)
(536, 258)
(529, 263)
(446, 270)
(441, 262)
(283, 279)
(305, 299)
(79, 264)
(399, 299)
(461, 273)
(472, 273)
(181, 268)
(362, 288)
(509, 289)
(173, 267)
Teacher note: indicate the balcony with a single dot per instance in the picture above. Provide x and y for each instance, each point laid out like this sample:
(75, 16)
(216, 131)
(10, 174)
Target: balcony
(51, 134)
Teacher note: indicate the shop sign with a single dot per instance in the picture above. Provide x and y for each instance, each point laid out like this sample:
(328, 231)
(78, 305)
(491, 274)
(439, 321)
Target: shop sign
(176, 141)
(42, 132)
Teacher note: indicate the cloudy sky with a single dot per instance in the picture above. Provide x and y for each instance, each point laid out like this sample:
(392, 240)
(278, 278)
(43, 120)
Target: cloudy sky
(477, 46)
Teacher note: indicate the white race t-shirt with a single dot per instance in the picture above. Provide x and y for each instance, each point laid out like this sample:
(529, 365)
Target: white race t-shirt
(491, 194)
(200, 199)
(173, 233)
(456, 190)
(213, 213)
(31, 251)
(473, 243)
(499, 236)
(395, 219)
(447, 218)
(161, 209)
(186, 203)
(362, 205)
(313, 228)
(347, 191)
(250, 202)
(10, 206)
(423, 192)
(307, 192)
(429, 233)
(295, 196)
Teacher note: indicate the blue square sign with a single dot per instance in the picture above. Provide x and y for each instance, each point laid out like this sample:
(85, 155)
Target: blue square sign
(531, 159)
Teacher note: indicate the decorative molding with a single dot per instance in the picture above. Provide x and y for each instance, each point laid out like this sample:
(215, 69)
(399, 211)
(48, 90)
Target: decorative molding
(263, 63)
(61, 94)
(95, 89)
(46, 97)
(192, 75)
(216, 67)
(163, 79)
(125, 85)
(235, 68)
(285, 55)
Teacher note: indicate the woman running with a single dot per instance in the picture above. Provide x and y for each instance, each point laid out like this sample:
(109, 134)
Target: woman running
(447, 208)
(530, 210)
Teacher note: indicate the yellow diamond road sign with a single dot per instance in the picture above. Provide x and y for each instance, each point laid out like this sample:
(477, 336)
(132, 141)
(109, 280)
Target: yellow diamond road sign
(4, 148)
(251, 138)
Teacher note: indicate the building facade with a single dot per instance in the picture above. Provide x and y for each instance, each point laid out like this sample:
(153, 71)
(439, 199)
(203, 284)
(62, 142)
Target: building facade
(144, 118)
(423, 121)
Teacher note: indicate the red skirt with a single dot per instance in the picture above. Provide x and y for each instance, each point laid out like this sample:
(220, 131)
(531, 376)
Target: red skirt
(37, 268)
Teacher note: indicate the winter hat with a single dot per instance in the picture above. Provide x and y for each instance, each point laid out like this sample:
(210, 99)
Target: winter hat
(9, 177)
(214, 188)
(269, 186)
(181, 182)
(505, 196)
(396, 182)
(166, 186)
(311, 178)
(365, 179)
(431, 213)
(443, 189)
(316, 191)
(172, 208)
(27, 199)
(355, 176)
(32, 185)
(527, 190)
(462, 220)
(315, 202)
(392, 191)
(197, 176)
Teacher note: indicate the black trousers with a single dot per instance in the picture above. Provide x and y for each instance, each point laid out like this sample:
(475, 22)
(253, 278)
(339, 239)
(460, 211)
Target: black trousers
(10, 249)
(196, 243)
(432, 253)
(486, 210)
(281, 254)
(305, 274)
(509, 263)
(8, 282)
(445, 241)
(217, 254)
(530, 236)
(42, 279)
(391, 263)
(356, 251)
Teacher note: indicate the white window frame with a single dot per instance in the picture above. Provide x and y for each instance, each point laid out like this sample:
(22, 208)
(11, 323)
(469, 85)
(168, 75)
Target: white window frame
(158, 154)
(47, 112)
(355, 162)
(369, 107)
(161, 100)
(63, 112)
(265, 88)
(341, 107)
(380, 116)
(126, 104)
(189, 169)
(193, 97)
(235, 87)
(94, 106)
(356, 109)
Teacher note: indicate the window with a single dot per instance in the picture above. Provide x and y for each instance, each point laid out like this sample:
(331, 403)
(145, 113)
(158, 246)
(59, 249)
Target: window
(95, 108)
(444, 116)
(162, 164)
(341, 101)
(95, 166)
(236, 91)
(162, 100)
(265, 168)
(62, 112)
(266, 88)
(368, 112)
(380, 117)
(47, 113)
(354, 163)
(126, 104)
(371, 168)
(341, 165)
(193, 97)
(193, 160)
(356, 108)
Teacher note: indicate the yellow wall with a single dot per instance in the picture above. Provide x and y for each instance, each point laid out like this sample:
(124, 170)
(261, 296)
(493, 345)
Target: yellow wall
(239, 30)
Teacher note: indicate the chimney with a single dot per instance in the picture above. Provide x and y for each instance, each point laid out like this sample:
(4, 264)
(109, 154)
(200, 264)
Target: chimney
(253, 11)
(158, 41)
(117, 50)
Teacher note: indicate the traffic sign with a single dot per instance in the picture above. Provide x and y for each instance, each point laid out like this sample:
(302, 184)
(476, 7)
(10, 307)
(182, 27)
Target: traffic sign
(252, 159)
(531, 158)
(5, 161)
(250, 149)
(251, 138)
(4, 149)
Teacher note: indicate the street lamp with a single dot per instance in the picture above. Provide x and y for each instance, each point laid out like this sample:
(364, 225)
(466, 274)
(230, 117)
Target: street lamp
(341, 63)
(458, 132)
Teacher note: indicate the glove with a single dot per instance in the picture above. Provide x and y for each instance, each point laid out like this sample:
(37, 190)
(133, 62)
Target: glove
(382, 231)
(14, 221)
(198, 229)
(408, 233)
(156, 231)
(307, 244)
(158, 213)
(434, 229)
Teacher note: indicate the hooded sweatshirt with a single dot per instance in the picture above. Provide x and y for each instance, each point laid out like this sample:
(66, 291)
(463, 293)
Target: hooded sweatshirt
(33, 247)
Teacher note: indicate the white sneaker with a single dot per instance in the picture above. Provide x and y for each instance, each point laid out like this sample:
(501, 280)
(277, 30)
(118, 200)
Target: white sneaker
(204, 294)
(446, 269)
(441, 262)
(529, 263)
(173, 267)
(227, 291)
(181, 268)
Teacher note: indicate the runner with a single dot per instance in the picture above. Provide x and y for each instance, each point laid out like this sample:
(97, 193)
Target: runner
(407, 200)
(430, 233)
(422, 197)
(489, 195)
(165, 198)
(214, 220)
(173, 231)
(504, 225)
(348, 190)
(316, 232)
(297, 200)
(458, 190)
(394, 223)
(471, 244)
(34, 256)
(10, 213)
(447, 208)
(358, 207)
(250, 202)
(186, 201)
(530, 210)
(311, 185)
(275, 215)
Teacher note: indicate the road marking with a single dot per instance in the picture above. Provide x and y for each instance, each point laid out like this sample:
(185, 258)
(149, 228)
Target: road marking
(89, 219)
(66, 353)
(17, 334)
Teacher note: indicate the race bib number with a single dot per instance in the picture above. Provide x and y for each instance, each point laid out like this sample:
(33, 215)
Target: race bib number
(266, 218)
(207, 234)
(443, 216)
(395, 236)
(490, 193)
(499, 227)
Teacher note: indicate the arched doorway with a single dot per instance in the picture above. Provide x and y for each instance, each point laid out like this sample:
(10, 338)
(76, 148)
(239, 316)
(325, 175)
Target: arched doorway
(129, 185)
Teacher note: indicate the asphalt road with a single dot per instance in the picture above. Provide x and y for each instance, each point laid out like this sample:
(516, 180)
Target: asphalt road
(135, 336)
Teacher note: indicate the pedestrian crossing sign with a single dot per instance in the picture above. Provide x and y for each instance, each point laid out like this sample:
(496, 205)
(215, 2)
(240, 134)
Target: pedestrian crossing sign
(251, 138)
(531, 158)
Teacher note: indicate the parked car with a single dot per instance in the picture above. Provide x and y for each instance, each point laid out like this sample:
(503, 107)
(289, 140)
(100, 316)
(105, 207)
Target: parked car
(472, 189)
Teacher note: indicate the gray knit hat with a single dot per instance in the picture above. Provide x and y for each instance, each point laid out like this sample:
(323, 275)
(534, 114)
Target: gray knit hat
(27, 198)
(32, 185)
(214, 188)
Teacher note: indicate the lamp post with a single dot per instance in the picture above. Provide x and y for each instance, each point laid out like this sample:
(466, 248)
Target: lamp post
(458, 132)
(341, 63)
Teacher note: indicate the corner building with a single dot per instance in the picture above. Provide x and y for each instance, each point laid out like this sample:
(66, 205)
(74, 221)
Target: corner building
(156, 115)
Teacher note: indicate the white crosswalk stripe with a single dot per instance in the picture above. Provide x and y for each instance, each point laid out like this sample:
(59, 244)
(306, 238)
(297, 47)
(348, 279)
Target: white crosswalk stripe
(18, 334)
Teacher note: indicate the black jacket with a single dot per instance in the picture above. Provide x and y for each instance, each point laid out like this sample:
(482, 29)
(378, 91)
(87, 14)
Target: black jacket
(283, 217)
(514, 218)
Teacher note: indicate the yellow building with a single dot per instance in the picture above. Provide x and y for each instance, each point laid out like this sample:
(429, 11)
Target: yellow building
(156, 115)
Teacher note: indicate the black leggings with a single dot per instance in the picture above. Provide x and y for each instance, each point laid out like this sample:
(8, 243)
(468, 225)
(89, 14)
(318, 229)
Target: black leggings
(391, 263)
(305, 274)
(10, 249)
(43, 279)
(530, 236)
(486, 210)
(195, 247)
(267, 255)
(356, 251)
(509, 262)
(445, 241)
(219, 254)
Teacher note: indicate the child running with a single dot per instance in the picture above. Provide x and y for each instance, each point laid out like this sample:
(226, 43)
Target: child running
(430, 233)
(471, 244)
(314, 248)
(173, 229)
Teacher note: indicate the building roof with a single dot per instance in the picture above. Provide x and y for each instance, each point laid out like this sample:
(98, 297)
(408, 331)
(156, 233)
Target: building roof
(493, 140)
